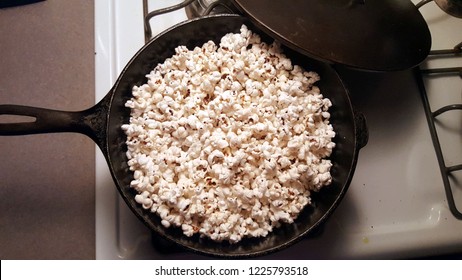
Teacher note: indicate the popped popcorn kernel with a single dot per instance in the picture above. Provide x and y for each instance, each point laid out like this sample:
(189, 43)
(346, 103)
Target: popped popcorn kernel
(228, 141)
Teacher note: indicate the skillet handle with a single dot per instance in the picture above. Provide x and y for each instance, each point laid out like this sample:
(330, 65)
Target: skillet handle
(91, 122)
(46, 120)
(362, 132)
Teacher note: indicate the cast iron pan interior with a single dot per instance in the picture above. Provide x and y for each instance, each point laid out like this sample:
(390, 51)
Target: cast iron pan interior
(195, 33)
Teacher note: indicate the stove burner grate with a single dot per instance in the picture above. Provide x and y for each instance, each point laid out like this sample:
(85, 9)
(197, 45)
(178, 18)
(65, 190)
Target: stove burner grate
(432, 117)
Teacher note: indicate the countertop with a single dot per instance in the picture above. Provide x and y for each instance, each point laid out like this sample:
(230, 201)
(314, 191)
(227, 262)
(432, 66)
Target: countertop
(47, 193)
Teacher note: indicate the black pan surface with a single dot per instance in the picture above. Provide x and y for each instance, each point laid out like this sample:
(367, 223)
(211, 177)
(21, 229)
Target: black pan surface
(376, 35)
(195, 33)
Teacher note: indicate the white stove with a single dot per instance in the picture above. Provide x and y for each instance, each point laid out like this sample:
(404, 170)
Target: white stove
(396, 206)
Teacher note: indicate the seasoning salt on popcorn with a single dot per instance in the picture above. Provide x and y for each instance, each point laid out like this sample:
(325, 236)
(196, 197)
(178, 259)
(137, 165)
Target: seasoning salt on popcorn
(228, 141)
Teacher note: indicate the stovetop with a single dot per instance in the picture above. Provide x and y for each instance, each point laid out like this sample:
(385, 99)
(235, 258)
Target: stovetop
(396, 206)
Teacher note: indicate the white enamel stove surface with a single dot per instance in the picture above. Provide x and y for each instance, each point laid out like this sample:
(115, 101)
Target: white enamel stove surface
(396, 205)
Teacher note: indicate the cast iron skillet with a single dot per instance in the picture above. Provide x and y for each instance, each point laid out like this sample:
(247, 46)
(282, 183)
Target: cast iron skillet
(103, 121)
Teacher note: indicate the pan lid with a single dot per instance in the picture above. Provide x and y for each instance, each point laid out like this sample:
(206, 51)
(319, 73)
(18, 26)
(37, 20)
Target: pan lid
(378, 35)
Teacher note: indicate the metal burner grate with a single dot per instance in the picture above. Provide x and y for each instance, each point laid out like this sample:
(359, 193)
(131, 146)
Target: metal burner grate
(149, 15)
(194, 8)
(432, 118)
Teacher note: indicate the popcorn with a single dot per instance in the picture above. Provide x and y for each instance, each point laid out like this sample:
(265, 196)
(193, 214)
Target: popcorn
(228, 141)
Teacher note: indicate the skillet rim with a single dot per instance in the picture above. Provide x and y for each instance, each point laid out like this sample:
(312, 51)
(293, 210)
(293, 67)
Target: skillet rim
(148, 221)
